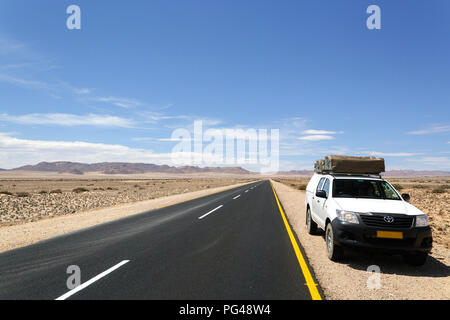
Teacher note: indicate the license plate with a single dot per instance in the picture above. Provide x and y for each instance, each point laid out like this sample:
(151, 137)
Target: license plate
(389, 235)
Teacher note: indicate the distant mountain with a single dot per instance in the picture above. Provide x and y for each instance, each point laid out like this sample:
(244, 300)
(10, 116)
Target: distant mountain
(415, 173)
(139, 168)
(297, 172)
(124, 168)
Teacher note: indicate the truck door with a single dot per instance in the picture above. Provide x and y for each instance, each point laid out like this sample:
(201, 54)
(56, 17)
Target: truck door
(315, 202)
(322, 203)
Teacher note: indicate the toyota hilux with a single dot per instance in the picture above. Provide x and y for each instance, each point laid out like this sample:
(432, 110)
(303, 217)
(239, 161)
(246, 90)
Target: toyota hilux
(365, 211)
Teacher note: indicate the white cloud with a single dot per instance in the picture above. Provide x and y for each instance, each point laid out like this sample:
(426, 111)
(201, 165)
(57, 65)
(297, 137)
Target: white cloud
(119, 102)
(8, 46)
(432, 163)
(62, 119)
(154, 117)
(316, 138)
(16, 66)
(142, 139)
(432, 129)
(174, 140)
(81, 91)
(23, 82)
(318, 135)
(20, 152)
(390, 154)
(315, 132)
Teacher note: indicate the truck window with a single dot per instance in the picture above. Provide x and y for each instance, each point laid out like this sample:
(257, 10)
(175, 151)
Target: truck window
(389, 191)
(326, 187)
(319, 186)
(361, 188)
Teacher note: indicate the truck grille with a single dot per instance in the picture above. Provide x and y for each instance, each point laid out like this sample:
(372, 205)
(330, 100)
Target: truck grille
(377, 220)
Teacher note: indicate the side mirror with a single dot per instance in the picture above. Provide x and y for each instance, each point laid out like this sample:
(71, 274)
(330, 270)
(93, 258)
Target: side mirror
(406, 197)
(321, 194)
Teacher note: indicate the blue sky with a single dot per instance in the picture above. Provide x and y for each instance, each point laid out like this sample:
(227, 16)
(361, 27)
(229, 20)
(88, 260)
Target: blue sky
(116, 89)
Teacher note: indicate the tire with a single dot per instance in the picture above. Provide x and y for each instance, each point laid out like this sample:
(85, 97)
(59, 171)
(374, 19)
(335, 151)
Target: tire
(416, 259)
(311, 226)
(335, 252)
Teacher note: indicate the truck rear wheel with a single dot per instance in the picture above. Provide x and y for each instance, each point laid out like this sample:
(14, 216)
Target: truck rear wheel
(311, 226)
(335, 252)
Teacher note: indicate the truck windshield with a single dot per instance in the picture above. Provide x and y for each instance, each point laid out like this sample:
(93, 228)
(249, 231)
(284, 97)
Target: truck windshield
(360, 188)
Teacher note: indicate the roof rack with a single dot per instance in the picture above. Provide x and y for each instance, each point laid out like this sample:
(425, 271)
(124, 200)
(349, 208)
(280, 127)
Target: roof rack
(342, 174)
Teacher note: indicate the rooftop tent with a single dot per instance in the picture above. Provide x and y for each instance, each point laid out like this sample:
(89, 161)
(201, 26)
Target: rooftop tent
(349, 164)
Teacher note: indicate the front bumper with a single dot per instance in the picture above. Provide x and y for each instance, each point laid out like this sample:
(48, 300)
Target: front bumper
(416, 239)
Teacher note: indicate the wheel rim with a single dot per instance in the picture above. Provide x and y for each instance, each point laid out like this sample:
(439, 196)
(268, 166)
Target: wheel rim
(329, 241)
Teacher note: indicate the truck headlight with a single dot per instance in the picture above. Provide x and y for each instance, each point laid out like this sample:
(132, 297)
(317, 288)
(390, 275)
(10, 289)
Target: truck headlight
(347, 216)
(422, 221)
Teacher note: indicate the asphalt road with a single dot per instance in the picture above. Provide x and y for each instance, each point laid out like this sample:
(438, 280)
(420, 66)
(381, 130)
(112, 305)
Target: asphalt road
(231, 245)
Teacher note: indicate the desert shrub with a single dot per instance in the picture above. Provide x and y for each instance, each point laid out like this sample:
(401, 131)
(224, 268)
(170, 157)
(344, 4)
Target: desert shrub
(57, 191)
(398, 186)
(445, 186)
(43, 192)
(111, 189)
(99, 189)
(420, 186)
(302, 187)
(6, 193)
(80, 190)
(438, 190)
(22, 194)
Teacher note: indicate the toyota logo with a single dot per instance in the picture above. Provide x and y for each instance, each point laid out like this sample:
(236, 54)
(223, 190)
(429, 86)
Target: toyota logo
(389, 219)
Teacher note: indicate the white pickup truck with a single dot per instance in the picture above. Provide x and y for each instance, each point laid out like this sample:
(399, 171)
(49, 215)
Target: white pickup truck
(367, 212)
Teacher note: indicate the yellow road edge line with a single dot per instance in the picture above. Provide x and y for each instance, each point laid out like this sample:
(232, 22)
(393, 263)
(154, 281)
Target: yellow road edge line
(312, 286)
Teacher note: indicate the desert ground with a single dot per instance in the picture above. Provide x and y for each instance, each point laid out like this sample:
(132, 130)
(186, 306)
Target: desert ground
(28, 198)
(38, 206)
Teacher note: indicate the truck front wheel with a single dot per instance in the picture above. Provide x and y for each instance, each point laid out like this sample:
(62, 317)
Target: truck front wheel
(335, 252)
